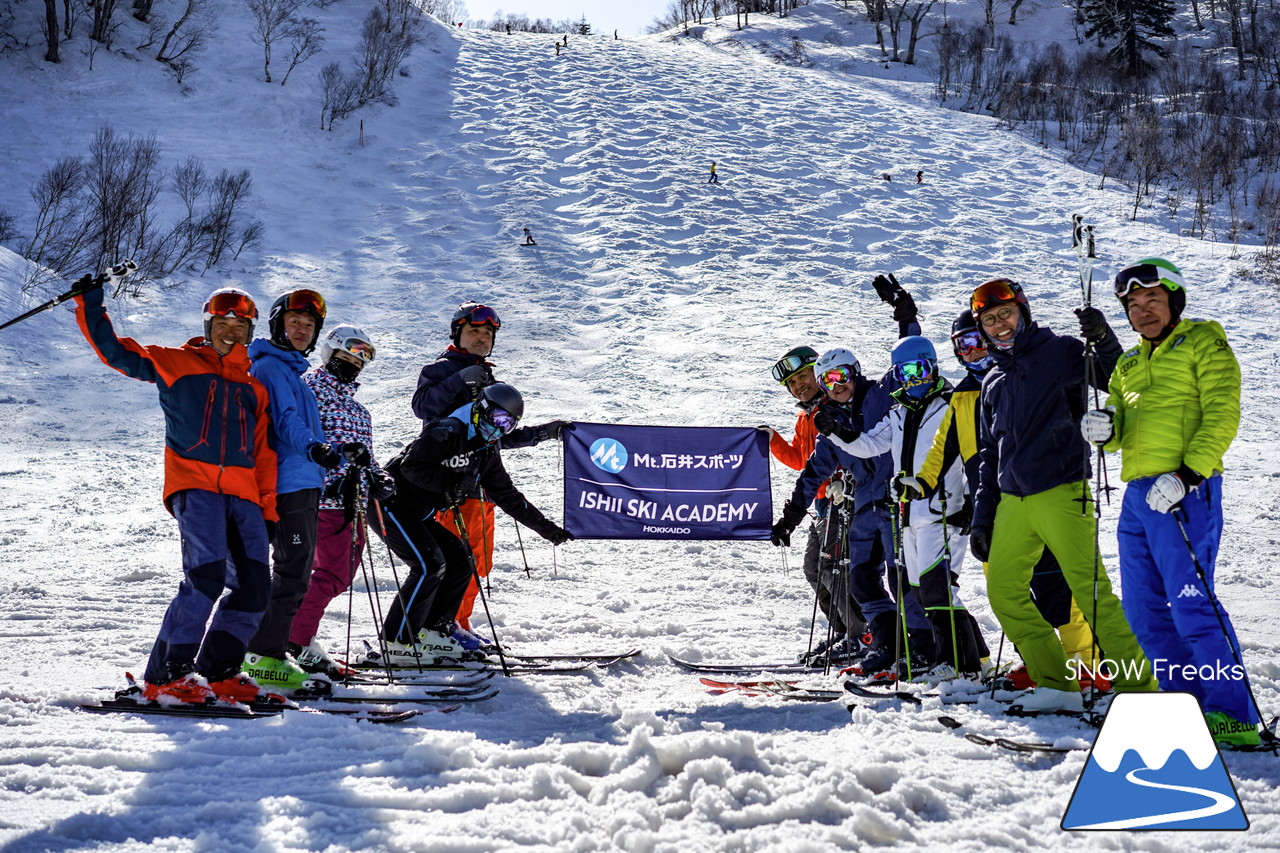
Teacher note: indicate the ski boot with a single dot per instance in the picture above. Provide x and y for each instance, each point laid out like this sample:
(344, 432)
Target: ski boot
(285, 676)
(189, 689)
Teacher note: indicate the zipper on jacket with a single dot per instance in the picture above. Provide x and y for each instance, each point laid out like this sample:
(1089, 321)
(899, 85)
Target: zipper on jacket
(208, 415)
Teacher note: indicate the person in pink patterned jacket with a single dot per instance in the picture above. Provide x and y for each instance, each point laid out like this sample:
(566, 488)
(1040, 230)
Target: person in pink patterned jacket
(341, 536)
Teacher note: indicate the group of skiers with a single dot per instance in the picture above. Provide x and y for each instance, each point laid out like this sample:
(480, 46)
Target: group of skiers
(901, 470)
(263, 454)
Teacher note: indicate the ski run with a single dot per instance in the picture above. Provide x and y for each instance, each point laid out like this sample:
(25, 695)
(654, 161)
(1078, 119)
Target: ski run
(650, 297)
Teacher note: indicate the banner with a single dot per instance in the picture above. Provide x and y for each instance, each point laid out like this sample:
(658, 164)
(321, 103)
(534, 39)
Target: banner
(660, 482)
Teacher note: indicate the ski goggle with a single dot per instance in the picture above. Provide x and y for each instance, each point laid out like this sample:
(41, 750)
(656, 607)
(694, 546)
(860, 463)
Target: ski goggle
(789, 366)
(995, 292)
(968, 341)
(1144, 275)
(837, 376)
(912, 372)
(230, 304)
(361, 349)
(503, 420)
(482, 315)
(305, 300)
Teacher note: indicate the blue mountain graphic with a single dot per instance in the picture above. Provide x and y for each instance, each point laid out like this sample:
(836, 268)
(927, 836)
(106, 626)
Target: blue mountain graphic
(1103, 797)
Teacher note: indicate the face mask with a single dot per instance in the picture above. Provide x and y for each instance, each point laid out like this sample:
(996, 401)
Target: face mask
(982, 365)
(343, 371)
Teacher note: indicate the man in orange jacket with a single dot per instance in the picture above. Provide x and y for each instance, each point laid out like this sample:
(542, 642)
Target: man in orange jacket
(219, 483)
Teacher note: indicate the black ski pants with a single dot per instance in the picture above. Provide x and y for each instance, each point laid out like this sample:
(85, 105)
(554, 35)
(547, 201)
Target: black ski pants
(293, 552)
(439, 571)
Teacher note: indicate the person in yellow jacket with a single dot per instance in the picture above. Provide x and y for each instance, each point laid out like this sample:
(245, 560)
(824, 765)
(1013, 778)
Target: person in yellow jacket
(958, 436)
(1173, 409)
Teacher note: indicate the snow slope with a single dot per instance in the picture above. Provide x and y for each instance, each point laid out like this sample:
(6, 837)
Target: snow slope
(652, 297)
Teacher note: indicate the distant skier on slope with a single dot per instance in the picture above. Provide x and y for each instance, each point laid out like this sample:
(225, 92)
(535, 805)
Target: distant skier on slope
(1034, 470)
(454, 379)
(452, 458)
(957, 437)
(1184, 380)
(714, 179)
(219, 484)
(340, 538)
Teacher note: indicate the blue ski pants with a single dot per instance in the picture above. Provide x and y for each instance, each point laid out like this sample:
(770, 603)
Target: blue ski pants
(224, 549)
(872, 563)
(1182, 627)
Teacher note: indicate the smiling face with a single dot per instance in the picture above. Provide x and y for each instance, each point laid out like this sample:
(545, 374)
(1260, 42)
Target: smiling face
(1149, 311)
(1000, 322)
(477, 340)
(803, 385)
(226, 332)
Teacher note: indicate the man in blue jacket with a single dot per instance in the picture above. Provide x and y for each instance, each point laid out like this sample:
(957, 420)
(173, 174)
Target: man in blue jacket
(1033, 491)
(278, 363)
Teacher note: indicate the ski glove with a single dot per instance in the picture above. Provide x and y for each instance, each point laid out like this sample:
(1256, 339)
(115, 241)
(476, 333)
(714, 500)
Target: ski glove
(474, 376)
(827, 424)
(908, 488)
(1093, 324)
(792, 515)
(357, 454)
(1099, 425)
(836, 490)
(887, 288)
(381, 485)
(324, 456)
(1167, 492)
(551, 430)
(980, 542)
(556, 535)
(904, 308)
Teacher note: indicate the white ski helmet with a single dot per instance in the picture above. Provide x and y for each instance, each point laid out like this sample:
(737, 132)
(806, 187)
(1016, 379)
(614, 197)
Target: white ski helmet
(350, 339)
(833, 358)
(229, 302)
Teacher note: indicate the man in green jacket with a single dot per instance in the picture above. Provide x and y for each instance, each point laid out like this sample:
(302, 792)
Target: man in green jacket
(1173, 409)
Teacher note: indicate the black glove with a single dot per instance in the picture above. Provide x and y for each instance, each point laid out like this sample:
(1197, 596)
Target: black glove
(324, 456)
(381, 485)
(904, 307)
(556, 535)
(980, 542)
(887, 288)
(826, 423)
(551, 430)
(1093, 324)
(357, 454)
(474, 376)
(88, 282)
(780, 533)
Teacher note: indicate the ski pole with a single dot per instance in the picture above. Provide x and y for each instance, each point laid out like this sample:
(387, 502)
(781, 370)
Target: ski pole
(404, 605)
(1180, 517)
(484, 600)
(946, 550)
(523, 555)
(81, 285)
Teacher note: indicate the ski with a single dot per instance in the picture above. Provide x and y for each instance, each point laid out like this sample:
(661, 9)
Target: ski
(431, 672)
(787, 667)
(783, 689)
(424, 697)
(443, 680)
(1007, 743)
(257, 710)
(607, 658)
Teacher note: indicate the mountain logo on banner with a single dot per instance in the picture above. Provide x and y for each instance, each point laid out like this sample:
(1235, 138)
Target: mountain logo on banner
(609, 454)
(1155, 766)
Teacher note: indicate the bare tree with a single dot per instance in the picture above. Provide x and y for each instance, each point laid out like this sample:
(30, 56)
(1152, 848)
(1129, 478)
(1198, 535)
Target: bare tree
(305, 40)
(103, 25)
(188, 36)
(270, 18)
(52, 33)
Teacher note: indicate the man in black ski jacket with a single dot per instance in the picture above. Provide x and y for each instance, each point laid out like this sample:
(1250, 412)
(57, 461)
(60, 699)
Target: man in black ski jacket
(451, 457)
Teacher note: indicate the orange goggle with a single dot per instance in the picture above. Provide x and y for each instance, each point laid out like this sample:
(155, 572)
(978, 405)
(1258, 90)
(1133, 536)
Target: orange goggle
(995, 292)
(232, 305)
(305, 300)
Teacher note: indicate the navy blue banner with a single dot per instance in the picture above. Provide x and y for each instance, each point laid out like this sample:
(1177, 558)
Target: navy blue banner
(661, 482)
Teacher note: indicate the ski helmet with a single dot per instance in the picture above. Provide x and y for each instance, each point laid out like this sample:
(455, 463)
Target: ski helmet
(915, 366)
(965, 338)
(296, 300)
(1152, 272)
(475, 314)
(795, 360)
(497, 410)
(350, 339)
(996, 292)
(830, 362)
(229, 302)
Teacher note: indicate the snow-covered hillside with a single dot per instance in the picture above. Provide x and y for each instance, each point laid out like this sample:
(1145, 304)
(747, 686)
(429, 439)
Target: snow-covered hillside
(652, 297)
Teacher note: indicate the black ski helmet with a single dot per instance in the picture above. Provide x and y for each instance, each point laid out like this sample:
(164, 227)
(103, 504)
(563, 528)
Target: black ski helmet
(296, 300)
(475, 314)
(499, 395)
(964, 322)
(792, 362)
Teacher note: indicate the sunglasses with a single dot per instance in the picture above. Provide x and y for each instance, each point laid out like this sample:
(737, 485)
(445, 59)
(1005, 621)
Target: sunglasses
(968, 341)
(837, 376)
(913, 371)
(483, 315)
(993, 293)
(232, 305)
(361, 349)
(1141, 275)
(789, 366)
(305, 300)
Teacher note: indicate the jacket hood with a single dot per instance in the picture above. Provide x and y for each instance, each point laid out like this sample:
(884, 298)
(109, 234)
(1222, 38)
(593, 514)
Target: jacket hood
(1032, 336)
(262, 348)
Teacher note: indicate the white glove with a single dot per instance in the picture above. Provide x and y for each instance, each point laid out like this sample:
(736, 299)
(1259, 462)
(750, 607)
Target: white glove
(908, 488)
(835, 491)
(1166, 492)
(1099, 425)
